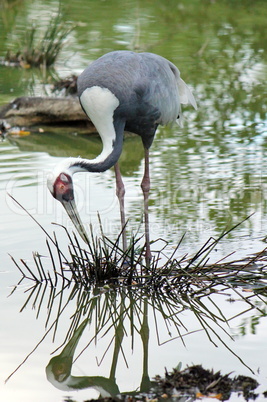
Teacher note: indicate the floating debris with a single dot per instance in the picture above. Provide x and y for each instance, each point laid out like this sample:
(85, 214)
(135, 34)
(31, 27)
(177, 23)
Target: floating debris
(67, 85)
(197, 382)
(4, 127)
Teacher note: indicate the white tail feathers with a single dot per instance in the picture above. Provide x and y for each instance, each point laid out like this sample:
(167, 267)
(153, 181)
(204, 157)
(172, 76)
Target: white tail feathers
(186, 95)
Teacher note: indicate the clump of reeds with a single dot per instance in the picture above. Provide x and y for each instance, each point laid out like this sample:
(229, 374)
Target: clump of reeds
(37, 49)
(104, 263)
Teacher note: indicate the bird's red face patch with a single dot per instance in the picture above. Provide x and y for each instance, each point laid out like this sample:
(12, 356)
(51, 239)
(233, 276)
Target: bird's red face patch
(63, 188)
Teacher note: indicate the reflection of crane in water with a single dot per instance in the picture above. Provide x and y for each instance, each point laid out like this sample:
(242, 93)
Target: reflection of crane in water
(120, 91)
(58, 370)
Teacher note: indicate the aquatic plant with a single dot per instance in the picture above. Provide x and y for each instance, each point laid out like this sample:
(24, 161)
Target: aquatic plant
(40, 50)
(104, 263)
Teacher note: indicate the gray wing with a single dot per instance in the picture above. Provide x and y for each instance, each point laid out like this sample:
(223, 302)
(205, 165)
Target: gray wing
(148, 87)
(167, 90)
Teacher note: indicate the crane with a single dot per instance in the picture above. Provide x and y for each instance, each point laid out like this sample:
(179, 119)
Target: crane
(122, 91)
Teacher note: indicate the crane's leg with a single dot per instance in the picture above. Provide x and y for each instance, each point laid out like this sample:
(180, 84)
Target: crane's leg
(144, 332)
(145, 185)
(120, 192)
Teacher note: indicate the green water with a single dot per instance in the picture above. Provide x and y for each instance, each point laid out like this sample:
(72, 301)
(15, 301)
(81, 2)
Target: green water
(204, 177)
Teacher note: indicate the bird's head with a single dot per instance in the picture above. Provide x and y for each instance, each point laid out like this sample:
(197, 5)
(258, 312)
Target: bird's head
(61, 188)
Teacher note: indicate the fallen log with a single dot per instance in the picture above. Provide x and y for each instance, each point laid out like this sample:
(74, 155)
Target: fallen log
(31, 111)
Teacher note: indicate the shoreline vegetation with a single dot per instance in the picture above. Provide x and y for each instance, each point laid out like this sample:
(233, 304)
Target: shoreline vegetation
(37, 48)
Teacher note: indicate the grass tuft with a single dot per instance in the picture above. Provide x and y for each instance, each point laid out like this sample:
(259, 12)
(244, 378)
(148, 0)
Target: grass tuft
(104, 263)
(40, 49)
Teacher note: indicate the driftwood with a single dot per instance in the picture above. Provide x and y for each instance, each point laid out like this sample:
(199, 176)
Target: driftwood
(30, 111)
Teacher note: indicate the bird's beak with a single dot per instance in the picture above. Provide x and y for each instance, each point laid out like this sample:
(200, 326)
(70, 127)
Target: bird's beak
(71, 210)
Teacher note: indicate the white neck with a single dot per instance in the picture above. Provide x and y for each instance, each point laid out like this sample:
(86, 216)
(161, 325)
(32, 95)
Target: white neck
(99, 104)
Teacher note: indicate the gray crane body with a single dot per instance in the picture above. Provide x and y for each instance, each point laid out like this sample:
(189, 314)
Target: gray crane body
(146, 90)
(120, 91)
(145, 84)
